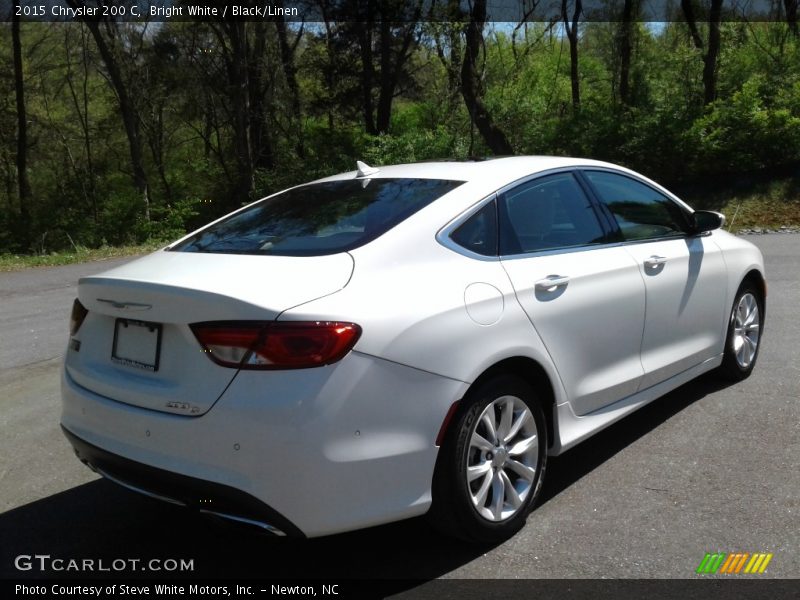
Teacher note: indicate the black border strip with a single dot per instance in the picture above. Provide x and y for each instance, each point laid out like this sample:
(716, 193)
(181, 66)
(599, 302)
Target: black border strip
(308, 11)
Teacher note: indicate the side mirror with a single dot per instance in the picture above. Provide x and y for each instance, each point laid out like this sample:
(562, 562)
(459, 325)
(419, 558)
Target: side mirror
(707, 220)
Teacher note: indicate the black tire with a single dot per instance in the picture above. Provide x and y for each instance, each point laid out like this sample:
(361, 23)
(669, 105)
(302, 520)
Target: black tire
(738, 362)
(457, 508)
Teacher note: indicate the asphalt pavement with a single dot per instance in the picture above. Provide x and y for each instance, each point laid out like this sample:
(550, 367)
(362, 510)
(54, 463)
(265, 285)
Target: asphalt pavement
(709, 467)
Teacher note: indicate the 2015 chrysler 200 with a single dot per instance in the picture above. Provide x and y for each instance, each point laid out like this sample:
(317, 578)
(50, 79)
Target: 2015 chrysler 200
(389, 342)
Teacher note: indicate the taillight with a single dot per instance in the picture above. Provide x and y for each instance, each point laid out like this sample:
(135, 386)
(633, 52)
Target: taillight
(79, 313)
(289, 345)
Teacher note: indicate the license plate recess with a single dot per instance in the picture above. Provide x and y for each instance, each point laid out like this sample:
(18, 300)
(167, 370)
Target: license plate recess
(137, 344)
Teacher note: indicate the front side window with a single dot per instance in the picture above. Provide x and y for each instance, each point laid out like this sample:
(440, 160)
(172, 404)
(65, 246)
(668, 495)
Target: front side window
(641, 211)
(319, 218)
(547, 213)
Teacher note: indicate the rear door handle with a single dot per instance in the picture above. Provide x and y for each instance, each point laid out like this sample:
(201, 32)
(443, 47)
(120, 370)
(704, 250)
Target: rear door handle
(551, 281)
(655, 261)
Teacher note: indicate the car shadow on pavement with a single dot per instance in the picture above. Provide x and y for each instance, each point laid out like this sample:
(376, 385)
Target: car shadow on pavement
(566, 469)
(100, 520)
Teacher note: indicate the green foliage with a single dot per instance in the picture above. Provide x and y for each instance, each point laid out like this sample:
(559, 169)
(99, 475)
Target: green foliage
(79, 160)
(122, 216)
(748, 132)
(167, 223)
(413, 146)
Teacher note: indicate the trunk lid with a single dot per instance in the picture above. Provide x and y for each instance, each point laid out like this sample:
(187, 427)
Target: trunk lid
(135, 345)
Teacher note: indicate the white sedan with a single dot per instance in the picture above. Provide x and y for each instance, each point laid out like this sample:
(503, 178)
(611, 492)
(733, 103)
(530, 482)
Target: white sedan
(403, 340)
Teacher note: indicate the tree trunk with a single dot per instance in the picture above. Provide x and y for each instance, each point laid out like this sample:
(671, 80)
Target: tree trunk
(571, 28)
(82, 111)
(455, 66)
(290, 73)
(470, 85)
(392, 65)
(367, 69)
(625, 52)
(25, 194)
(387, 78)
(791, 15)
(127, 109)
(239, 86)
(711, 53)
(263, 156)
(87, 138)
(710, 59)
(156, 141)
(327, 22)
(449, 50)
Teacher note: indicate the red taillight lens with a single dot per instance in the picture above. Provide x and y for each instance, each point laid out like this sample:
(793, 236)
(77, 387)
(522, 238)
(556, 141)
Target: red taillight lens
(79, 313)
(290, 345)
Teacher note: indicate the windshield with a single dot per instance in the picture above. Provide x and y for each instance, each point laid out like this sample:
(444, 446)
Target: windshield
(319, 218)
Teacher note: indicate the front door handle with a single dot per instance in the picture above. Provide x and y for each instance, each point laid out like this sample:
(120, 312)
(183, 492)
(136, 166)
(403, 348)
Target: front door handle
(655, 261)
(551, 281)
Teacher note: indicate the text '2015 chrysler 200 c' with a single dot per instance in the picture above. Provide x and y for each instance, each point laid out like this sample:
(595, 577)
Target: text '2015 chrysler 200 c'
(410, 339)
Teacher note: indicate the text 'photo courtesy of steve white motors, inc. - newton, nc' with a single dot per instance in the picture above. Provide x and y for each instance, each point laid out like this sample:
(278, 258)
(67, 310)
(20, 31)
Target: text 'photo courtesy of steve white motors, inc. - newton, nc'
(155, 11)
(173, 590)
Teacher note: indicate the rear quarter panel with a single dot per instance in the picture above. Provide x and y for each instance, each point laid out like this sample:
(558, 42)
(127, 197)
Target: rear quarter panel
(411, 296)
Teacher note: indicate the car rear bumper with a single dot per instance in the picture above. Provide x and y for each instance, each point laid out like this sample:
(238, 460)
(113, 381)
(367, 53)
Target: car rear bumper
(308, 453)
(204, 496)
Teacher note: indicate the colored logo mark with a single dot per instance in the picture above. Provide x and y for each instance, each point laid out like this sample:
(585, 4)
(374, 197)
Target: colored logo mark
(734, 563)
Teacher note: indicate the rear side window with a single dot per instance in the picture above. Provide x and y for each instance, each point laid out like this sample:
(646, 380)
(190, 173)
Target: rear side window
(479, 232)
(547, 213)
(642, 212)
(320, 218)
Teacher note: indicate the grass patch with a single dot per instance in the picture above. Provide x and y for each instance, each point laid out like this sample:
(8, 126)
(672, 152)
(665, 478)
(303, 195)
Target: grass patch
(749, 204)
(16, 262)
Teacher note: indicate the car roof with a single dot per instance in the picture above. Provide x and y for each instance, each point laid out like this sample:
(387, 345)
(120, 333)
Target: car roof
(497, 170)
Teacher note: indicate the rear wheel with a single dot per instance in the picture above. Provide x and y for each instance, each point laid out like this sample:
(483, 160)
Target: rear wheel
(744, 333)
(492, 463)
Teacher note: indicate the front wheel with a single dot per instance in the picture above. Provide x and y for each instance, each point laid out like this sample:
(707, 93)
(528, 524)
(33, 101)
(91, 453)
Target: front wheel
(744, 333)
(492, 463)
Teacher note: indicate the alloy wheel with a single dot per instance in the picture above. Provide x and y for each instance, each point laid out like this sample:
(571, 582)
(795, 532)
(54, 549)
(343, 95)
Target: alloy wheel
(746, 330)
(502, 458)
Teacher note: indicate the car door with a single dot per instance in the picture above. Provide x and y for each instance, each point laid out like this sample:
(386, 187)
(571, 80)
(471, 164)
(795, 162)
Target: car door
(685, 275)
(584, 298)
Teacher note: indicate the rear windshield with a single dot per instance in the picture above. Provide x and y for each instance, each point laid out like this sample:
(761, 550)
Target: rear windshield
(320, 218)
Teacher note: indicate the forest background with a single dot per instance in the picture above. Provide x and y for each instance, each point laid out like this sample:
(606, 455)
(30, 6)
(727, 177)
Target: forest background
(117, 133)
